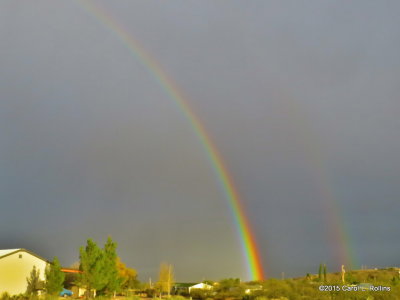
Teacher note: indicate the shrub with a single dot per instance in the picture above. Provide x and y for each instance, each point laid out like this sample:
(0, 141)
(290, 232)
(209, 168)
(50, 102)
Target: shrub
(177, 298)
(200, 294)
(5, 296)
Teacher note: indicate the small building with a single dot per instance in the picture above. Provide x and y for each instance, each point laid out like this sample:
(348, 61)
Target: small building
(249, 289)
(181, 288)
(186, 288)
(16, 266)
(201, 286)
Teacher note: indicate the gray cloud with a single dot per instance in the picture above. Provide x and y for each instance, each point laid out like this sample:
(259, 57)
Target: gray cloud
(298, 96)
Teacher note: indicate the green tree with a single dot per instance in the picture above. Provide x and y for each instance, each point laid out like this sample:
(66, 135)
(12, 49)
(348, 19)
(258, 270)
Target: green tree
(227, 284)
(33, 282)
(110, 268)
(200, 294)
(324, 272)
(54, 278)
(320, 272)
(229, 288)
(92, 267)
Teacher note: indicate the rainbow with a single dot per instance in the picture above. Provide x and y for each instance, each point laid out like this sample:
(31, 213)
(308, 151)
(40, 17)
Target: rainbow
(343, 252)
(242, 224)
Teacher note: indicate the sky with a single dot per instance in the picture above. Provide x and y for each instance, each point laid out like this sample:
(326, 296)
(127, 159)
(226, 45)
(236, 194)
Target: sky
(300, 97)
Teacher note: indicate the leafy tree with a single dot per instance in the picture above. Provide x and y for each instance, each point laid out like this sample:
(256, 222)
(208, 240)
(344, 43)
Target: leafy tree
(92, 267)
(128, 276)
(227, 284)
(110, 269)
(200, 294)
(33, 282)
(229, 288)
(101, 269)
(54, 278)
(166, 278)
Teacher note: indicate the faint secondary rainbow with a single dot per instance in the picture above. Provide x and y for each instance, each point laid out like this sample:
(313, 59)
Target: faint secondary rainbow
(248, 241)
(339, 236)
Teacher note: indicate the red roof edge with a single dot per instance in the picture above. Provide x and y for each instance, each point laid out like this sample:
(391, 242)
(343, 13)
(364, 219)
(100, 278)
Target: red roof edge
(66, 270)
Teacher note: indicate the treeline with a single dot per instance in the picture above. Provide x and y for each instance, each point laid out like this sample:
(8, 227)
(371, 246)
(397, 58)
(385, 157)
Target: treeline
(102, 272)
(301, 289)
(99, 271)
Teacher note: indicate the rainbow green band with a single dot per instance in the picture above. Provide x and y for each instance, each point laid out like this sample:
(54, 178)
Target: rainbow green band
(248, 242)
(338, 234)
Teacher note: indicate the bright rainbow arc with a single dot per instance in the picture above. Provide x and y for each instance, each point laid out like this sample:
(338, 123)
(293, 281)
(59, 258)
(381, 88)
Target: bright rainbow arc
(248, 241)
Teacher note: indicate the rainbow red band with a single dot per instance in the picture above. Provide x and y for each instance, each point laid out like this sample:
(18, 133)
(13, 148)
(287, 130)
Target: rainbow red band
(248, 241)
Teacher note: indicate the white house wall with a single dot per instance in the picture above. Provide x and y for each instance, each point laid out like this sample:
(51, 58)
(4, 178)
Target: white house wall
(201, 286)
(14, 270)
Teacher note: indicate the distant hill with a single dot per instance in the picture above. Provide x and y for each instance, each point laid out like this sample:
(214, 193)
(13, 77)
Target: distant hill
(359, 284)
(360, 276)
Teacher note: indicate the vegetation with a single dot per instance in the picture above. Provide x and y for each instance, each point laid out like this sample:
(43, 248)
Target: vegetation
(91, 265)
(320, 273)
(104, 272)
(112, 279)
(165, 279)
(305, 288)
(229, 288)
(5, 296)
(33, 283)
(54, 278)
(128, 276)
(201, 294)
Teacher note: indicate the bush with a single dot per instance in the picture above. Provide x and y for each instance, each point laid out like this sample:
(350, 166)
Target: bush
(132, 298)
(200, 294)
(5, 296)
(177, 298)
(150, 293)
(50, 297)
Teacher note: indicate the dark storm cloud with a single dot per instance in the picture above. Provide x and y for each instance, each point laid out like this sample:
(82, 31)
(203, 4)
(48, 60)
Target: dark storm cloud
(295, 95)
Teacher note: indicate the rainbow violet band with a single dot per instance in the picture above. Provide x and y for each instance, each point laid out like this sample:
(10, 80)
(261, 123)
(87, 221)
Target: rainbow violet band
(248, 241)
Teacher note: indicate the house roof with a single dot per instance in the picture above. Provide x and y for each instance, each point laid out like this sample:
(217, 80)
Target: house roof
(183, 284)
(201, 284)
(7, 252)
(189, 285)
(69, 270)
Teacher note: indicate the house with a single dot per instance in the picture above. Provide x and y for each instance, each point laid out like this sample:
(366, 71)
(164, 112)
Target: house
(202, 286)
(185, 288)
(249, 289)
(181, 288)
(16, 266)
